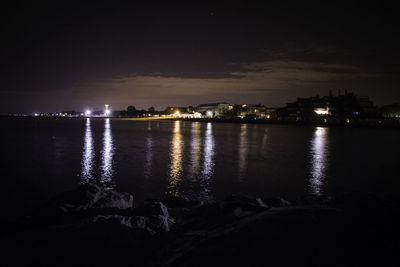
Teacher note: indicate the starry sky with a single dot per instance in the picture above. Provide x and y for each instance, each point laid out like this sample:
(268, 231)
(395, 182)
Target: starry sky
(79, 55)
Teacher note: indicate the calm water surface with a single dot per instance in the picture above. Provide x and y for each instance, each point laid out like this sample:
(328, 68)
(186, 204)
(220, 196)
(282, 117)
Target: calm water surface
(152, 159)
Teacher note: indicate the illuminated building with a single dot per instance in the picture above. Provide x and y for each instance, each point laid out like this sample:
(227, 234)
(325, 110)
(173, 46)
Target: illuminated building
(213, 109)
(194, 115)
(322, 111)
(255, 112)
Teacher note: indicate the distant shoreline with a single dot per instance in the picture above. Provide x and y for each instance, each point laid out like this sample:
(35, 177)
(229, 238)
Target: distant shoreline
(384, 124)
(375, 123)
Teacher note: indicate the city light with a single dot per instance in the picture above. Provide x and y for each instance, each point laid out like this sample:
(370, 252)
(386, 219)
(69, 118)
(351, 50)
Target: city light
(88, 112)
(107, 111)
(322, 111)
(197, 115)
(177, 114)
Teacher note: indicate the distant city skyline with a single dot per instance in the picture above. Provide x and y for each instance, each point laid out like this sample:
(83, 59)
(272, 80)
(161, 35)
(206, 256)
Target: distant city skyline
(67, 56)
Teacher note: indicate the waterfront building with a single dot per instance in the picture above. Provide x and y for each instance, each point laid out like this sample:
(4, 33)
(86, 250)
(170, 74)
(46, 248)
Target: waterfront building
(328, 108)
(214, 110)
(255, 111)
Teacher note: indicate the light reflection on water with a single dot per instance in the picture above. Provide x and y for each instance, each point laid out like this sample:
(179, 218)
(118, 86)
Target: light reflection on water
(243, 150)
(149, 152)
(264, 141)
(88, 154)
(107, 157)
(195, 151)
(208, 164)
(199, 168)
(319, 160)
(176, 160)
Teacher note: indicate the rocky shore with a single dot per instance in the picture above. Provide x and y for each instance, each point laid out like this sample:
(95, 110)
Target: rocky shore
(91, 226)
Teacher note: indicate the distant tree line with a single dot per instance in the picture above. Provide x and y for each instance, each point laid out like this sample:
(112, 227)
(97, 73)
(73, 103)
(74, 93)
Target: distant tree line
(390, 111)
(131, 111)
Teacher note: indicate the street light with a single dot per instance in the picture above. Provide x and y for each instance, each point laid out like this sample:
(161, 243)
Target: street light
(88, 112)
(107, 111)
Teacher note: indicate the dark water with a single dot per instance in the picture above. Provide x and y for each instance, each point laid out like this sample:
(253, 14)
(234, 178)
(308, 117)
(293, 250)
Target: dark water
(151, 159)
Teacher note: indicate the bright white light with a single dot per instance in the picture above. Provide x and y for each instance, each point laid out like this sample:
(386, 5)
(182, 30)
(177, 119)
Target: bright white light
(209, 113)
(209, 145)
(197, 115)
(108, 112)
(36, 114)
(321, 111)
(176, 114)
(88, 112)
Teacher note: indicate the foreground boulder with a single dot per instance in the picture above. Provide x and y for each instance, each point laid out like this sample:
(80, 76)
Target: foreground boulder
(81, 202)
(91, 226)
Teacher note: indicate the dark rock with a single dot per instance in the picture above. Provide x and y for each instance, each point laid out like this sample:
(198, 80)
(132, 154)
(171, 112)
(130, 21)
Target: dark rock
(102, 228)
(313, 200)
(242, 205)
(113, 199)
(276, 202)
(360, 202)
(86, 200)
(180, 202)
(155, 215)
(204, 217)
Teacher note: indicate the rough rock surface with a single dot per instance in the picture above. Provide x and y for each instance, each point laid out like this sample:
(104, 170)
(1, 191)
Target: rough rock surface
(91, 226)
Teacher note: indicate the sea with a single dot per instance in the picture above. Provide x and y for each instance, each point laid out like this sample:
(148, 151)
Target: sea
(44, 157)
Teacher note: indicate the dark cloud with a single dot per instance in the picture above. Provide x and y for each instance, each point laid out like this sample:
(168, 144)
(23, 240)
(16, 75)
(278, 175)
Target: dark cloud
(269, 81)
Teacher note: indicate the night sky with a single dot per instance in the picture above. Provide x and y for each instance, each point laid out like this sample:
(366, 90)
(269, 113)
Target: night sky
(75, 56)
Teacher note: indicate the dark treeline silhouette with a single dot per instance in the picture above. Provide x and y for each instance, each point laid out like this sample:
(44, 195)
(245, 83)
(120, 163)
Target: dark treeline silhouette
(132, 112)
